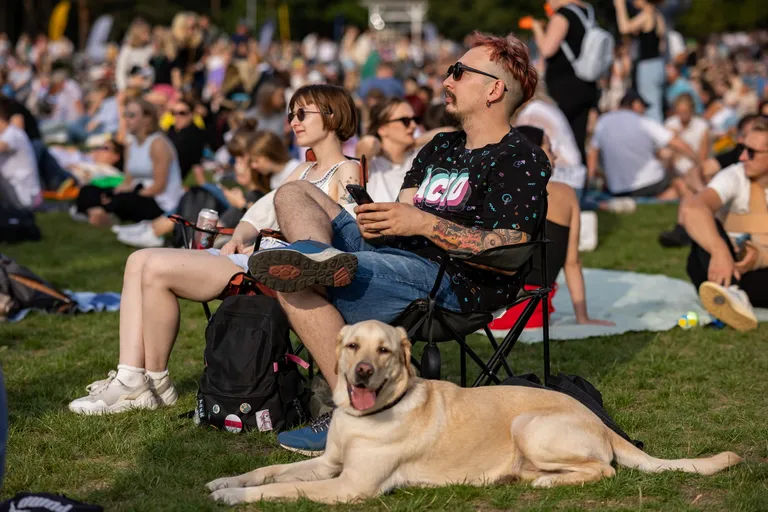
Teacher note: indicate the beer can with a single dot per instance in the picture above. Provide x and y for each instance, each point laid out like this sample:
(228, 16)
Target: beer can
(206, 219)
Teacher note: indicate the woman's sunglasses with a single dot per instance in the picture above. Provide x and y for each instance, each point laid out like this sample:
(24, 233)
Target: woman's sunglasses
(458, 69)
(181, 112)
(301, 114)
(405, 120)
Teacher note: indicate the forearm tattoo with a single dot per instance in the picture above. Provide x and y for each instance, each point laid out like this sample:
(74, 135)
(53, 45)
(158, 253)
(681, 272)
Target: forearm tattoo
(467, 241)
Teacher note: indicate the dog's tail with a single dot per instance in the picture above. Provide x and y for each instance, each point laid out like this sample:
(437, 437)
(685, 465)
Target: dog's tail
(630, 456)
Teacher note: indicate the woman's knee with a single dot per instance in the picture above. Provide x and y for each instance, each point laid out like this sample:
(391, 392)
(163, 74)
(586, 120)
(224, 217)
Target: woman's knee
(155, 270)
(134, 265)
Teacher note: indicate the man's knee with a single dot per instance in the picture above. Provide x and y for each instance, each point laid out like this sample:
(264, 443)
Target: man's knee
(299, 195)
(292, 192)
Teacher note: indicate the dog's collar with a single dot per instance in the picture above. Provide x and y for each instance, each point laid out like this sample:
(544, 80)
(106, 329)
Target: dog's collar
(389, 405)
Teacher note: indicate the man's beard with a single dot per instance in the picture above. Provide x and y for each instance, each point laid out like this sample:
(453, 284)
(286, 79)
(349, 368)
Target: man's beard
(454, 118)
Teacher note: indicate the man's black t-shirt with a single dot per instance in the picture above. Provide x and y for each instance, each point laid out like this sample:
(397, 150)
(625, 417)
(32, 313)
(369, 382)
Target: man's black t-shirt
(30, 123)
(498, 186)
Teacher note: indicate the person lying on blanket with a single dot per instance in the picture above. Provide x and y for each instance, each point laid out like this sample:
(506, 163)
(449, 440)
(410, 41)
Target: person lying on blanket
(322, 116)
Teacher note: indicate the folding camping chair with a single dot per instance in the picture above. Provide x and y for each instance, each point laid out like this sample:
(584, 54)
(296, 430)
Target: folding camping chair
(427, 322)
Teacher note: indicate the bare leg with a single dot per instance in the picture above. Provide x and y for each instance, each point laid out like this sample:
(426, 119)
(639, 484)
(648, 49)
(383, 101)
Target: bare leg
(304, 212)
(99, 217)
(161, 226)
(317, 323)
(131, 339)
(165, 275)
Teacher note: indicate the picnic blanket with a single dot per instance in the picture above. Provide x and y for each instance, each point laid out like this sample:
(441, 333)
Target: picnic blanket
(634, 301)
(86, 302)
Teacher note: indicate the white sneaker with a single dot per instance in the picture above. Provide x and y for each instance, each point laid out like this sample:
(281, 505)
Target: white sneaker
(164, 391)
(729, 305)
(111, 396)
(588, 233)
(131, 228)
(76, 215)
(141, 238)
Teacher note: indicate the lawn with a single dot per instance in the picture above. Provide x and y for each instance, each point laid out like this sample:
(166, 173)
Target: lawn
(684, 393)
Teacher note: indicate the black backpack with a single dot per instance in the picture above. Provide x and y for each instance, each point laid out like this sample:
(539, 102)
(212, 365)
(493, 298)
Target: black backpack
(18, 226)
(580, 389)
(190, 204)
(45, 502)
(20, 288)
(251, 379)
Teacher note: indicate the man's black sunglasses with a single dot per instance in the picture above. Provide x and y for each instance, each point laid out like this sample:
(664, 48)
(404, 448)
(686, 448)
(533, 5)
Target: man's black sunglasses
(458, 69)
(752, 151)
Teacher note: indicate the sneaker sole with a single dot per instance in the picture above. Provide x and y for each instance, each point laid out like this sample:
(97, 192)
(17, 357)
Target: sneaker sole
(146, 400)
(291, 271)
(306, 453)
(721, 307)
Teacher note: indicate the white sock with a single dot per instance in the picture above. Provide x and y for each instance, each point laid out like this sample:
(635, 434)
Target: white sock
(157, 375)
(129, 375)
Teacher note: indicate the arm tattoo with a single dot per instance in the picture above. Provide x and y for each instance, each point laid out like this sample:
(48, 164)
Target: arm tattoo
(468, 241)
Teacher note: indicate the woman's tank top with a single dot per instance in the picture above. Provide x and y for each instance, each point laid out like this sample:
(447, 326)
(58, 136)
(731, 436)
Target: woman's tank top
(139, 166)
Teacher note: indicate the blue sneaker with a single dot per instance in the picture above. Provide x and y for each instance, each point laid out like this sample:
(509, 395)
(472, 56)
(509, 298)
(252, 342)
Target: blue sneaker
(310, 440)
(301, 265)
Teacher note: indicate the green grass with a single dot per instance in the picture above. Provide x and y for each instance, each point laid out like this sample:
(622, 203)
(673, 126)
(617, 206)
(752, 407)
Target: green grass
(685, 393)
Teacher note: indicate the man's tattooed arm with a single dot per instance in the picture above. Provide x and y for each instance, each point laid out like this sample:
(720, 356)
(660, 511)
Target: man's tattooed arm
(469, 241)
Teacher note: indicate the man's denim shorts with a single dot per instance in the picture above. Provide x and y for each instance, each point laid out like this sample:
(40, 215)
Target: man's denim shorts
(387, 279)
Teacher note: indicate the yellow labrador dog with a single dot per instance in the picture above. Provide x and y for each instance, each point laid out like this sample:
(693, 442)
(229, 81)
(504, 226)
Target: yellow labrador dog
(392, 429)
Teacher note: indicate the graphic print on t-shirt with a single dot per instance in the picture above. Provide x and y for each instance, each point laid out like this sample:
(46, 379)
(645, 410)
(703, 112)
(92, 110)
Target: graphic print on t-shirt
(444, 189)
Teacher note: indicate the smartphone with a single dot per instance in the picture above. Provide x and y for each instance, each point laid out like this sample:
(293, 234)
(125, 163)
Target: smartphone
(359, 194)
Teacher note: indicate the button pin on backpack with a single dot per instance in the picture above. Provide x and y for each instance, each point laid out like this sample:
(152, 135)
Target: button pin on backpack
(245, 408)
(216, 409)
(232, 423)
(264, 420)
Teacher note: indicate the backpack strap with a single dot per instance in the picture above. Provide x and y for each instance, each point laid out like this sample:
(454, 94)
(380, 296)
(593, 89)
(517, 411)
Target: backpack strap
(588, 21)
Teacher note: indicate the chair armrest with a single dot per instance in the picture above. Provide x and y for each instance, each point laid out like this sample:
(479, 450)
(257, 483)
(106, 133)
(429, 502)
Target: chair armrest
(502, 260)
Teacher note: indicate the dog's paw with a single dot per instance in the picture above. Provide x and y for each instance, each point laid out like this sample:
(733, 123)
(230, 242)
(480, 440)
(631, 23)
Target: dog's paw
(545, 482)
(228, 496)
(223, 483)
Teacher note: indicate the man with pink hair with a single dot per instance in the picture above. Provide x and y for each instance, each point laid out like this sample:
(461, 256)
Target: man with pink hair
(467, 191)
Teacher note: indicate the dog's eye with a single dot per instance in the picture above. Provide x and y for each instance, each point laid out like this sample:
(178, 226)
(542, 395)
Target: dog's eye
(353, 346)
(383, 350)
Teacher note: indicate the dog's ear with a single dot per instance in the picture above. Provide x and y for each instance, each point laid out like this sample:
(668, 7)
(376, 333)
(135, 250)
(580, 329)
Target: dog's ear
(405, 350)
(339, 339)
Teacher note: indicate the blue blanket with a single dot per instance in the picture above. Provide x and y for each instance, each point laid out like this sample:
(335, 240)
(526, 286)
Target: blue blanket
(86, 302)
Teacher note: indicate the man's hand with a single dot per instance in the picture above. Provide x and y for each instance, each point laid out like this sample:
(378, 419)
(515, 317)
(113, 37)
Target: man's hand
(235, 197)
(749, 261)
(722, 268)
(392, 219)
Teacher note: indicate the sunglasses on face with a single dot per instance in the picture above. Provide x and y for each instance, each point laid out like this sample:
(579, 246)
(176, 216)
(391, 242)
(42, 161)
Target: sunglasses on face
(181, 112)
(751, 152)
(301, 114)
(131, 115)
(458, 69)
(405, 120)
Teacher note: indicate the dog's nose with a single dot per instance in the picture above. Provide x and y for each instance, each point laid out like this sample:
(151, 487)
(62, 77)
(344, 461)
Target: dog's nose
(364, 370)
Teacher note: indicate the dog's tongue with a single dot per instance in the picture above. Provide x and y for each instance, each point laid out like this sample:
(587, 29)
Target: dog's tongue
(362, 398)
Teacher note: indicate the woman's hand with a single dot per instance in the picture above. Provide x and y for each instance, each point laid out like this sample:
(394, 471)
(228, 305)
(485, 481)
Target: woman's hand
(235, 197)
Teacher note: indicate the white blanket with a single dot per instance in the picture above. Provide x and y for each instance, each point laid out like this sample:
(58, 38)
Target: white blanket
(635, 302)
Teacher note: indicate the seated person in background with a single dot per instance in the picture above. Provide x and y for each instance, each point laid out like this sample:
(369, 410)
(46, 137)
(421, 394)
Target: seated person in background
(543, 112)
(563, 226)
(694, 131)
(391, 146)
(152, 184)
(188, 139)
(732, 279)
(322, 116)
(467, 191)
(19, 179)
(103, 158)
(677, 237)
(626, 142)
(259, 157)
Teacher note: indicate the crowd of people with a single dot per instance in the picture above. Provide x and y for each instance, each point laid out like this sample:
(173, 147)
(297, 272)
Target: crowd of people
(276, 134)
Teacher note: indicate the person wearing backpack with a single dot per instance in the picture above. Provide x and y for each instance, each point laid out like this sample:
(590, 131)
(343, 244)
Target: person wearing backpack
(648, 30)
(577, 52)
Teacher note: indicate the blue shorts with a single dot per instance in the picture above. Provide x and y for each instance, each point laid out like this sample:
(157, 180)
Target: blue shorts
(387, 279)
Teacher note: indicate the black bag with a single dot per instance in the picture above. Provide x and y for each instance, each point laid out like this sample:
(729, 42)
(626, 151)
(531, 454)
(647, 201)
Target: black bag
(20, 288)
(575, 387)
(251, 380)
(45, 502)
(190, 204)
(18, 226)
